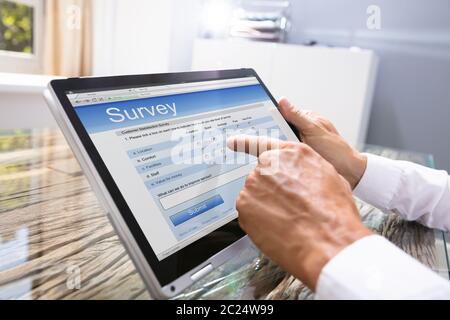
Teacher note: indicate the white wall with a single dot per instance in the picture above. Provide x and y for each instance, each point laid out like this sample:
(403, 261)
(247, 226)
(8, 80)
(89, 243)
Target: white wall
(347, 77)
(22, 103)
(412, 100)
(186, 18)
(132, 36)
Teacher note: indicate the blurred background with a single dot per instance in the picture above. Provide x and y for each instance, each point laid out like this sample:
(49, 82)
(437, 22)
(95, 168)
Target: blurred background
(379, 69)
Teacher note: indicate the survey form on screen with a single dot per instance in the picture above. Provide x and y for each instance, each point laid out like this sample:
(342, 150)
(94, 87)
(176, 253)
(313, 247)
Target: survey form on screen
(168, 155)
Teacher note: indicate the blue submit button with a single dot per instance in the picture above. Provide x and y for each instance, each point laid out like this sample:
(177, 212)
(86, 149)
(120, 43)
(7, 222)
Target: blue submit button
(196, 210)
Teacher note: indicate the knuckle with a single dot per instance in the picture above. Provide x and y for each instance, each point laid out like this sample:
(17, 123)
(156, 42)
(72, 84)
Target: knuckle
(251, 179)
(263, 157)
(326, 124)
(324, 121)
(266, 158)
(299, 147)
(241, 201)
(312, 116)
(240, 207)
(304, 148)
(288, 145)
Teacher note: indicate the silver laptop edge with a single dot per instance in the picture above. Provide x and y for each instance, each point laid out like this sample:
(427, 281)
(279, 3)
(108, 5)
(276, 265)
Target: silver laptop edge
(156, 291)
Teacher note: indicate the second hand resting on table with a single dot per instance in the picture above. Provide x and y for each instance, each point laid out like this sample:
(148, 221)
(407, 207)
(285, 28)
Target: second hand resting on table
(297, 206)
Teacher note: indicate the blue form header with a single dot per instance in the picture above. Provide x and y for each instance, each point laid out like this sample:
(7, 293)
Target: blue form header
(117, 115)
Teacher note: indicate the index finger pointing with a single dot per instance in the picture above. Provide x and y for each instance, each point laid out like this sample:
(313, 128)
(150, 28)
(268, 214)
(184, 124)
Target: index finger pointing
(253, 145)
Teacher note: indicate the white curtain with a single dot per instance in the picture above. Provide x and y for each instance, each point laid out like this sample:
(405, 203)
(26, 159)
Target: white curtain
(68, 37)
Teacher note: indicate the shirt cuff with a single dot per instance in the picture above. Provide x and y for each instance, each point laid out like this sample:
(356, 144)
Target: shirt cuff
(373, 268)
(380, 181)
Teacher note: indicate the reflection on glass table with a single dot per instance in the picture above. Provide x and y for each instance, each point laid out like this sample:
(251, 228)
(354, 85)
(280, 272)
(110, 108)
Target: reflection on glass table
(57, 243)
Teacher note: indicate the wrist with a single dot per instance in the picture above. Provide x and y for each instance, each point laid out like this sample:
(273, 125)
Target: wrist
(350, 163)
(357, 167)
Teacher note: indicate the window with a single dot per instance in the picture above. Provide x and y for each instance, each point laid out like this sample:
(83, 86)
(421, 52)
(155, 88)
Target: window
(20, 35)
(16, 27)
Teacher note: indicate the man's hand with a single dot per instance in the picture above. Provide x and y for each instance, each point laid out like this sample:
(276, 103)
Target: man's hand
(296, 207)
(321, 135)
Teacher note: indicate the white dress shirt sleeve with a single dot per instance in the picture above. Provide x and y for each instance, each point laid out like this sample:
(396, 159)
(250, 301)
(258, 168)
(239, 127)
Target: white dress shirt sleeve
(372, 267)
(415, 192)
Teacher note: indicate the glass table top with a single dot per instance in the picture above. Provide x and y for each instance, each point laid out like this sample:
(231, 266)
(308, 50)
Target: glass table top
(57, 243)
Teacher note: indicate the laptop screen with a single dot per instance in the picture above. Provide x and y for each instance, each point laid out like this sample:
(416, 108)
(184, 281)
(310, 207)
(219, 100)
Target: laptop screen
(165, 147)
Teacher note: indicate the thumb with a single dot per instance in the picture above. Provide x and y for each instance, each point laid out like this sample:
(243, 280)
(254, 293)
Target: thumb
(300, 119)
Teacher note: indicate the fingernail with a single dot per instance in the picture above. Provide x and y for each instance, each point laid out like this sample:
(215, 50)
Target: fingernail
(289, 105)
(286, 103)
